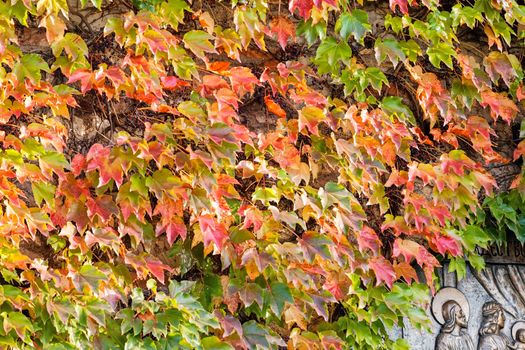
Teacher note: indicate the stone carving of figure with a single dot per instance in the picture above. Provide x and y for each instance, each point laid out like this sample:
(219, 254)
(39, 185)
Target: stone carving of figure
(518, 334)
(493, 321)
(448, 308)
(453, 335)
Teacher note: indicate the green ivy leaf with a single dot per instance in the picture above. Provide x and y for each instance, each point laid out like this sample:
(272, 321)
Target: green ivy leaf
(330, 54)
(43, 191)
(354, 23)
(441, 52)
(30, 67)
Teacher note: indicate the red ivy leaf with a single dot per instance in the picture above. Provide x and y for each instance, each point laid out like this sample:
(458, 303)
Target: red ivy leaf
(172, 83)
(368, 238)
(402, 4)
(383, 270)
(85, 77)
(157, 269)
(212, 231)
(283, 28)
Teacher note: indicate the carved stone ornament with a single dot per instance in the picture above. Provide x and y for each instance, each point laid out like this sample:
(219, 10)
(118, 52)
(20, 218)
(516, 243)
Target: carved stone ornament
(451, 310)
(492, 322)
(518, 335)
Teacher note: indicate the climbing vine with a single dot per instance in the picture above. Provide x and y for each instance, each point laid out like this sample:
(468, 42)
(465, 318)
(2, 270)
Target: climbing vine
(272, 173)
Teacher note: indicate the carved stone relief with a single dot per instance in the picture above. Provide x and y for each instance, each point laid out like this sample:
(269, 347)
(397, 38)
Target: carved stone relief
(484, 311)
(451, 310)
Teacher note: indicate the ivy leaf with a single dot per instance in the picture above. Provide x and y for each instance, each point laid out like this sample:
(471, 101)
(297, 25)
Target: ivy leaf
(441, 52)
(266, 195)
(303, 6)
(212, 231)
(383, 270)
(273, 107)
(500, 105)
(19, 322)
(157, 268)
(388, 48)
(329, 55)
(334, 193)
(279, 295)
(284, 29)
(43, 191)
(173, 11)
(402, 4)
(214, 343)
(29, 67)
(74, 46)
(312, 32)
(355, 23)
(473, 236)
(198, 42)
(394, 105)
(259, 337)
(88, 276)
(310, 117)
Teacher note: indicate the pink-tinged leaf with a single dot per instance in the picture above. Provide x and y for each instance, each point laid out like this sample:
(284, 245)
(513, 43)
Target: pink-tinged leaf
(406, 248)
(397, 178)
(172, 83)
(157, 268)
(446, 244)
(102, 206)
(303, 6)
(252, 217)
(78, 164)
(396, 224)
(440, 213)
(212, 231)
(283, 28)
(500, 105)
(99, 158)
(498, 64)
(85, 77)
(383, 270)
(243, 80)
(520, 92)
(402, 4)
(367, 238)
(486, 180)
(174, 228)
(456, 162)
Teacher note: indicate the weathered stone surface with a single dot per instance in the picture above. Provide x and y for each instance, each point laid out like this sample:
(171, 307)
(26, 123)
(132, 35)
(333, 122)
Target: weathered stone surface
(496, 298)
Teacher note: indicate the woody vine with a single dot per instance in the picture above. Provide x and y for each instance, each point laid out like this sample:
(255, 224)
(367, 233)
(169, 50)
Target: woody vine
(273, 173)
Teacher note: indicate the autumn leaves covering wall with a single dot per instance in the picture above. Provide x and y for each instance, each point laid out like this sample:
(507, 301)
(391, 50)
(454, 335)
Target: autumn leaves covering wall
(200, 229)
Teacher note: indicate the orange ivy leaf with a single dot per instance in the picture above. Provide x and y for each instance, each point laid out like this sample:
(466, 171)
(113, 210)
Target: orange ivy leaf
(243, 80)
(283, 28)
(273, 107)
(404, 270)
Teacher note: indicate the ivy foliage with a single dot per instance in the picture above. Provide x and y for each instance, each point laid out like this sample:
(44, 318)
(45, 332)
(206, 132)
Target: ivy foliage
(198, 228)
